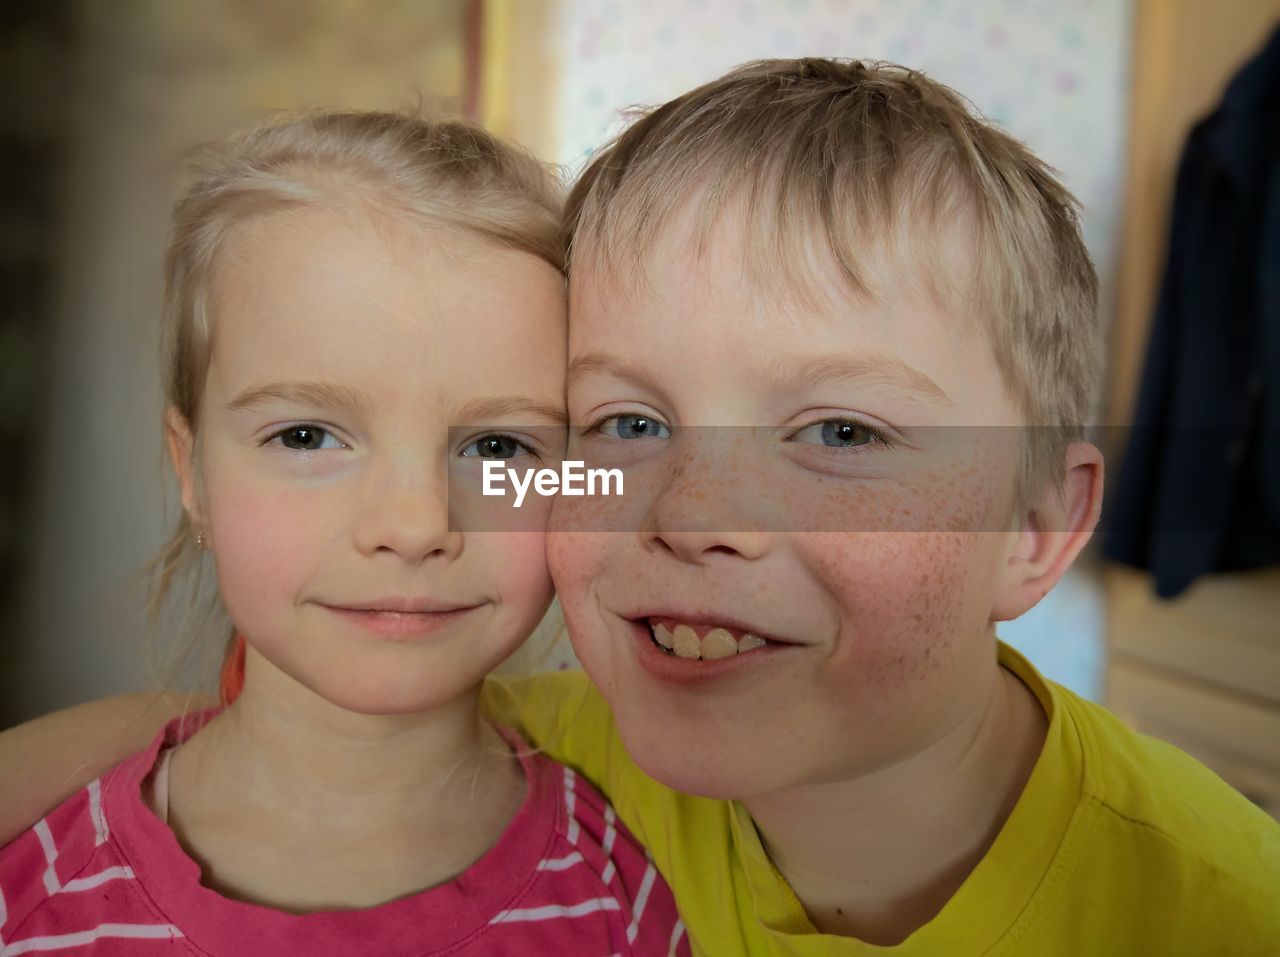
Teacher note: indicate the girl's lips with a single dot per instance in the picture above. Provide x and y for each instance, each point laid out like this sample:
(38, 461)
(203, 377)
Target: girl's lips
(389, 623)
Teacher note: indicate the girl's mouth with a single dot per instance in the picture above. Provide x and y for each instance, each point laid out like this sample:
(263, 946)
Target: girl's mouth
(397, 623)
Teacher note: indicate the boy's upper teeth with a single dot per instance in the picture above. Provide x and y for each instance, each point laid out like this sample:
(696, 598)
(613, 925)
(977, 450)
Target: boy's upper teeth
(715, 642)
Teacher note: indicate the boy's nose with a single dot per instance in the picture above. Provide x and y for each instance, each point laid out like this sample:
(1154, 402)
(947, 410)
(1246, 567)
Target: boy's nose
(408, 516)
(698, 547)
(708, 504)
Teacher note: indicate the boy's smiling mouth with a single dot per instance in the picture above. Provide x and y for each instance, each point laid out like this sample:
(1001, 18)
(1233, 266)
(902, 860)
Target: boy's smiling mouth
(675, 635)
(700, 640)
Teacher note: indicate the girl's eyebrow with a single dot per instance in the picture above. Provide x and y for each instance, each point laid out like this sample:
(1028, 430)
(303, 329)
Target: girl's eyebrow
(326, 394)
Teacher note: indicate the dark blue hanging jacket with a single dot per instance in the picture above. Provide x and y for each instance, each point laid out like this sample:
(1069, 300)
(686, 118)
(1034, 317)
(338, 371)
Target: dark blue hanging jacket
(1199, 488)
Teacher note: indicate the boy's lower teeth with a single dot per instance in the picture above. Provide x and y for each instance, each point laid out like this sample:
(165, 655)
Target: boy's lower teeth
(683, 642)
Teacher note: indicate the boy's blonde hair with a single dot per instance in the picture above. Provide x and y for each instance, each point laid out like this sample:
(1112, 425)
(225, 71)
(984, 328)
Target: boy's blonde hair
(445, 174)
(896, 177)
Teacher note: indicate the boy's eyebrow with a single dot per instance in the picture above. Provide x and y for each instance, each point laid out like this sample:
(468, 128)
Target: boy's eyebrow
(601, 363)
(480, 410)
(326, 394)
(890, 370)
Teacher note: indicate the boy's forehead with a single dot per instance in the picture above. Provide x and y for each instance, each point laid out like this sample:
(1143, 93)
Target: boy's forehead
(781, 311)
(741, 263)
(730, 256)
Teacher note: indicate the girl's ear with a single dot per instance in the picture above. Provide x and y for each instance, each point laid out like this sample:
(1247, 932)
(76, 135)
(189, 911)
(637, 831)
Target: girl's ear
(181, 444)
(1052, 534)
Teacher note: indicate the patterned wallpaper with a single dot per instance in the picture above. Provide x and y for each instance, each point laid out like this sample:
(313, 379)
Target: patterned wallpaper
(1052, 72)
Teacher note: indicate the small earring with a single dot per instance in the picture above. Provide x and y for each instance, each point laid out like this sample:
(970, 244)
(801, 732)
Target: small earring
(199, 539)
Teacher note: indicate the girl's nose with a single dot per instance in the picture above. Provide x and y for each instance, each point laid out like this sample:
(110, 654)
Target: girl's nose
(407, 515)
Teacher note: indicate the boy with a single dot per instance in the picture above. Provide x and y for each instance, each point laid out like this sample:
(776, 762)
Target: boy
(842, 253)
(881, 311)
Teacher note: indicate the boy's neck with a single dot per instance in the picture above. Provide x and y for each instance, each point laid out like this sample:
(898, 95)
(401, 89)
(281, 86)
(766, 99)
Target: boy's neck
(877, 856)
(289, 801)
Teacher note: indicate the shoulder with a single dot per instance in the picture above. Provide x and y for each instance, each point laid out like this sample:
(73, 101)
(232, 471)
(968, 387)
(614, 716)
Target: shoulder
(545, 699)
(564, 716)
(595, 857)
(1175, 809)
(65, 853)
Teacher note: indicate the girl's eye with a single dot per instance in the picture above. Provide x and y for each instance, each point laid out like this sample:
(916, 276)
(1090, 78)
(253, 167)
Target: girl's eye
(497, 447)
(840, 434)
(631, 426)
(307, 438)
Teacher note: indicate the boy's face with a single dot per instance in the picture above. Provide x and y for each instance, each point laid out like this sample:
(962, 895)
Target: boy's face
(878, 603)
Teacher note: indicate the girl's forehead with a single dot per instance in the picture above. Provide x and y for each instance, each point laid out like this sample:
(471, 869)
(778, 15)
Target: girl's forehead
(326, 298)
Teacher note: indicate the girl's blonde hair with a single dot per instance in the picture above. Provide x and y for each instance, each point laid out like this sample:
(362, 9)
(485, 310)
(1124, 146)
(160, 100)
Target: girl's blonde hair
(446, 174)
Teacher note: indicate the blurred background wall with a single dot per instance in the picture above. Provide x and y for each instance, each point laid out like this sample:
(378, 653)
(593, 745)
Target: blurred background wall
(138, 84)
(1103, 89)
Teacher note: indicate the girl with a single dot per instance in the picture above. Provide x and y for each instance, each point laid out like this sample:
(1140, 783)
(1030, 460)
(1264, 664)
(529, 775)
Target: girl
(344, 292)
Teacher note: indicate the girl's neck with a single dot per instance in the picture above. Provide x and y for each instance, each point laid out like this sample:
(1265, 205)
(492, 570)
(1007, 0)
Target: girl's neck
(876, 857)
(281, 735)
(291, 801)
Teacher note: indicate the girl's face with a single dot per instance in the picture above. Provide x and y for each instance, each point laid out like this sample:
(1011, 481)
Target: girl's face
(326, 477)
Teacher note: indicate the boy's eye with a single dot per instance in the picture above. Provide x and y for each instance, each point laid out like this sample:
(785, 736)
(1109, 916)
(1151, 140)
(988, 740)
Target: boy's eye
(839, 434)
(307, 438)
(633, 427)
(496, 447)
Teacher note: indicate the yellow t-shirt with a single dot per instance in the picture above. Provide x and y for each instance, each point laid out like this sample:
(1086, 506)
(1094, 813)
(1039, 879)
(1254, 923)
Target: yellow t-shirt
(1119, 844)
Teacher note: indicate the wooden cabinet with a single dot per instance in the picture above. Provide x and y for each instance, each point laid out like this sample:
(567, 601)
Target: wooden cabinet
(1203, 672)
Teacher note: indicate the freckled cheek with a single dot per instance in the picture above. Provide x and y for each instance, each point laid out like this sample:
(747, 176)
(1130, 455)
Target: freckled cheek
(905, 601)
(577, 561)
(642, 483)
(957, 494)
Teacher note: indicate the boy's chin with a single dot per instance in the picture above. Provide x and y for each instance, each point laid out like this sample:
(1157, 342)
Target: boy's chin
(685, 760)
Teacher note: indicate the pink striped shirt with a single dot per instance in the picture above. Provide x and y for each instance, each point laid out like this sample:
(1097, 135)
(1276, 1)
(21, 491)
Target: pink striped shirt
(102, 875)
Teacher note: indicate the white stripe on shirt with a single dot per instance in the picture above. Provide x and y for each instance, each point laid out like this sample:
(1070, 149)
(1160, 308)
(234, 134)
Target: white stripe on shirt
(50, 855)
(81, 938)
(551, 911)
(97, 880)
(100, 830)
(642, 898)
(677, 933)
(570, 798)
(560, 863)
(610, 832)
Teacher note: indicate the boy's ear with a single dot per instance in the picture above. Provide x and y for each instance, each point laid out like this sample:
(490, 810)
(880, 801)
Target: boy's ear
(1052, 534)
(180, 442)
